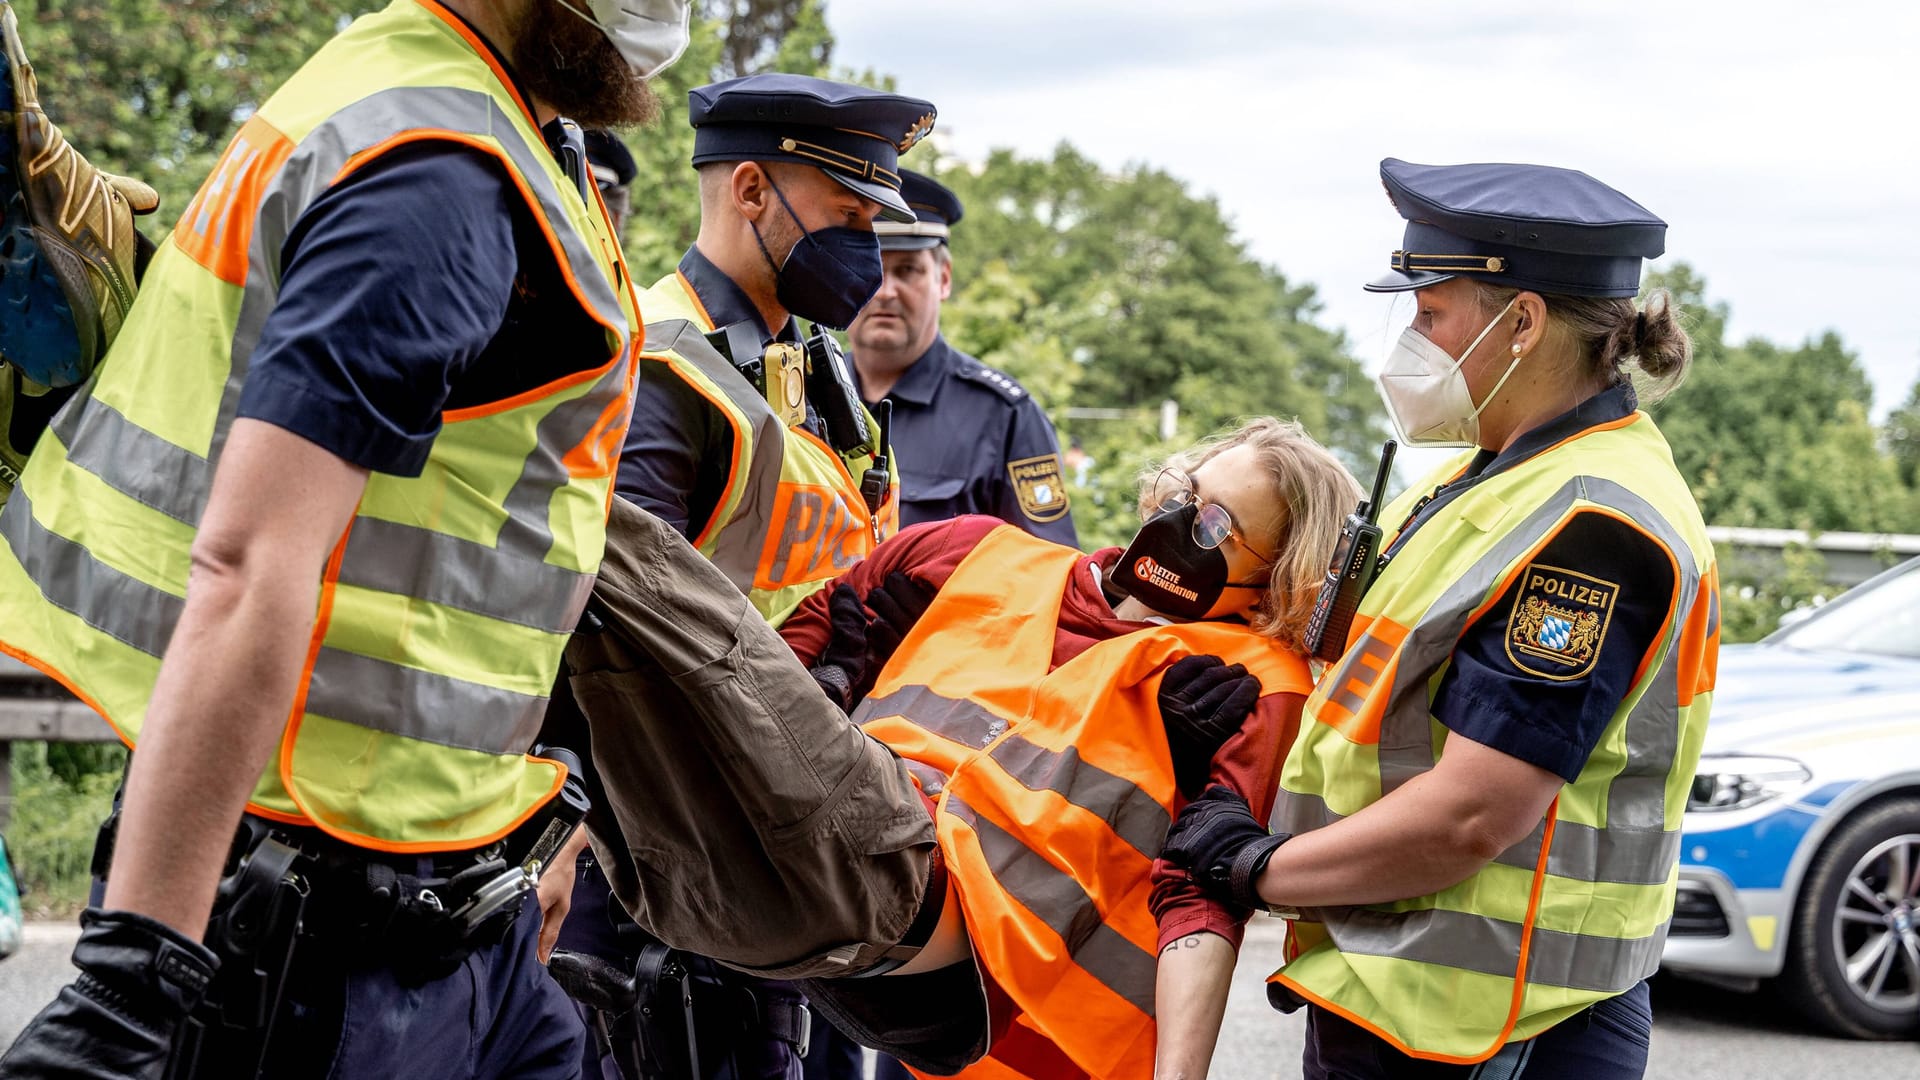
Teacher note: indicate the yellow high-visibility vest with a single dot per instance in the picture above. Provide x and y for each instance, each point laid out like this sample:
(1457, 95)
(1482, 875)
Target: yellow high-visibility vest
(448, 600)
(1578, 912)
(792, 517)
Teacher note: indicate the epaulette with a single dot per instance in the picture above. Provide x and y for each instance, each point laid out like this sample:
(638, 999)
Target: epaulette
(986, 376)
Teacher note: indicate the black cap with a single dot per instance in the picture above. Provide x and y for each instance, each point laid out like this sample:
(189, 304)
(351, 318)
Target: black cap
(854, 134)
(932, 204)
(609, 158)
(1524, 226)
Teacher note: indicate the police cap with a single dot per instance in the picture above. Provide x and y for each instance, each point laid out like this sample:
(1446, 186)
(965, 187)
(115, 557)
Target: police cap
(607, 155)
(934, 206)
(1524, 226)
(854, 134)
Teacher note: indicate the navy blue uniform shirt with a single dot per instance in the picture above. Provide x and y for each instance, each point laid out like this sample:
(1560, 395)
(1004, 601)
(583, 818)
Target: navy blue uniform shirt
(420, 283)
(968, 439)
(679, 447)
(1599, 582)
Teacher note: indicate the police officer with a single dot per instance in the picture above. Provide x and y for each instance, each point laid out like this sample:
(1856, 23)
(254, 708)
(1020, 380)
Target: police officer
(971, 440)
(754, 447)
(313, 541)
(1479, 822)
(614, 170)
(750, 440)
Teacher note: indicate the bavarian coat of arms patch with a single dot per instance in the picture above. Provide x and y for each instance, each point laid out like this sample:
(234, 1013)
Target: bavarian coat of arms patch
(1559, 621)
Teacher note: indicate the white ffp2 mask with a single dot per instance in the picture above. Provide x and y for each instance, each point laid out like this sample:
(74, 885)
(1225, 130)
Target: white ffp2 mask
(650, 34)
(1426, 392)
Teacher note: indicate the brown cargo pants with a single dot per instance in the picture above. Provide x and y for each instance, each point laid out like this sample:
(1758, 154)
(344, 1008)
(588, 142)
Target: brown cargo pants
(749, 820)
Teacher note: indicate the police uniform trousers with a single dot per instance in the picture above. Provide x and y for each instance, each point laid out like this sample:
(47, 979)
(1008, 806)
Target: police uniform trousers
(498, 1015)
(734, 1044)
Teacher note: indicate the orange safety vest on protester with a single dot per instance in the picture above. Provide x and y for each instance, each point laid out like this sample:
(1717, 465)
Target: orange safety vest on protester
(1054, 789)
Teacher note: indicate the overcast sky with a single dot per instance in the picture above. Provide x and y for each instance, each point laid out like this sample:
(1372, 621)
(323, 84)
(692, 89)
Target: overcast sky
(1780, 141)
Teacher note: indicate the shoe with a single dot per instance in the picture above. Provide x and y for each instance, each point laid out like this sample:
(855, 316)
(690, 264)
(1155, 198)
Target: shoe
(67, 241)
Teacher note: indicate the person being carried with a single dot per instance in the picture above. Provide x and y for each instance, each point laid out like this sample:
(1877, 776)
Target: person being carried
(989, 839)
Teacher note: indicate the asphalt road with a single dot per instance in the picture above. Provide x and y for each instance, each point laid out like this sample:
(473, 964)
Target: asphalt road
(1699, 1032)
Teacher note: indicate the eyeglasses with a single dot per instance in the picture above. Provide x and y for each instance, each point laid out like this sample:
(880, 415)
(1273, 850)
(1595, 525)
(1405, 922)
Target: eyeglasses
(1212, 524)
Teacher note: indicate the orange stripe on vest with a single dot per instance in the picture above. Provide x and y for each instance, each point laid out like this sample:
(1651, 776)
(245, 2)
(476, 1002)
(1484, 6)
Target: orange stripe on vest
(217, 229)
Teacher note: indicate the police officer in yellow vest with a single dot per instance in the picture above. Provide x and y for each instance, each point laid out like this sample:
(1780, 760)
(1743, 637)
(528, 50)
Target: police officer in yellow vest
(747, 436)
(313, 541)
(752, 444)
(1478, 827)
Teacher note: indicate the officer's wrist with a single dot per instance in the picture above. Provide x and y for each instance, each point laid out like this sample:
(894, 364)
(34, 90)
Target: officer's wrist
(1243, 876)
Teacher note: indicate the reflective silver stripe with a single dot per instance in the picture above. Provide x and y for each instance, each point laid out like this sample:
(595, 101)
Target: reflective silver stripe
(741, 537)
(178, 486)
(1492, 947)
(71, 579)
(1582, 962)
(1058, 901)
(1585, 853)
(422, 705)
(1131, 813)
(1406, 738)
(932, 780)
(1135, 816)
(134, 461)
(508, 581)
(462, 574)
(953, 719)
(1580, 852)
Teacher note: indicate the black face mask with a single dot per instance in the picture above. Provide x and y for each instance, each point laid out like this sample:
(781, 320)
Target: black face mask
(829, 275)
(1164, 569)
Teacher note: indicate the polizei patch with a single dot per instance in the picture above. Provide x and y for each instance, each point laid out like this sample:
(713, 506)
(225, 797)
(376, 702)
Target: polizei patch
(1560, 618)
(1043, 496)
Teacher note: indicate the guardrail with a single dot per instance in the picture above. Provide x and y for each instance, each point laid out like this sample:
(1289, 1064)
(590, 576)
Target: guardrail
(32, 708)
(1851, 557)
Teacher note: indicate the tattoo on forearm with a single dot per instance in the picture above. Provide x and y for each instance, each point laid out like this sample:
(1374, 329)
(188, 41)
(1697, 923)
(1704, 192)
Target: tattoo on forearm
(1189, 942)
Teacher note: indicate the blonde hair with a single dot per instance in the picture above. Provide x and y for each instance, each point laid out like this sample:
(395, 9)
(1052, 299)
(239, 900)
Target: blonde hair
(1312, 494)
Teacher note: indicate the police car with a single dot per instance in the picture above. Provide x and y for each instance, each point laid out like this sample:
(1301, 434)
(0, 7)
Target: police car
(1800, 861)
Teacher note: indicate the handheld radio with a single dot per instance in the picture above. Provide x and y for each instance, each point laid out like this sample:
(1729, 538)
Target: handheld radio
(875, 481)
(831, 390)
(1355, 561)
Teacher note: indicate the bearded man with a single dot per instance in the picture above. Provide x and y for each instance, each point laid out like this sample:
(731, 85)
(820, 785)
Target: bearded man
(312, 542)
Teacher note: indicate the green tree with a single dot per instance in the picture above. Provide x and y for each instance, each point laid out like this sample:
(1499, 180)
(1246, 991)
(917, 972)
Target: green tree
(1903, 440)
(156, 89)
(1777, 437)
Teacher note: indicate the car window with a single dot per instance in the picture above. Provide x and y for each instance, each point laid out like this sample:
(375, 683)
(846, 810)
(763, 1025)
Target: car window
(1883, 619)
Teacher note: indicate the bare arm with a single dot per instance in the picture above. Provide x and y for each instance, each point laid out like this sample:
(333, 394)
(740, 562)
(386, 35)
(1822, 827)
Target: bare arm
(1432, 832)
(1190, 999)
(278, 506)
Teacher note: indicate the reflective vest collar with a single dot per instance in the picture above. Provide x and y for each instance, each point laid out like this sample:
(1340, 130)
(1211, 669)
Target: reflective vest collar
(721, 301)
(486, 50)
(1611, 407)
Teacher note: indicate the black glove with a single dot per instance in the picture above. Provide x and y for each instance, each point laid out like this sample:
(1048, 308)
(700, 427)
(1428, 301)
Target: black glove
(1222, 846)
(897, 604)
(1203, 702)
(138, 979)
(843, 663)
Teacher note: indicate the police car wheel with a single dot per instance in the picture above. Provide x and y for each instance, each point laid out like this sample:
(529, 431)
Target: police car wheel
(1853, 959)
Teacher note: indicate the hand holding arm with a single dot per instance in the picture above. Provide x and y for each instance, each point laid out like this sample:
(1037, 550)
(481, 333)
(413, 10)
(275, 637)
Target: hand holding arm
(1433, 832)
